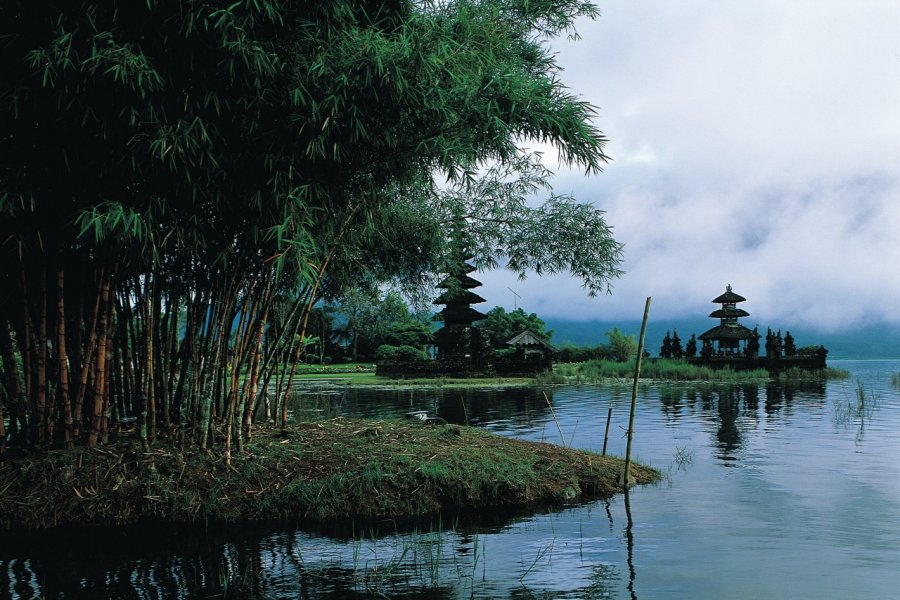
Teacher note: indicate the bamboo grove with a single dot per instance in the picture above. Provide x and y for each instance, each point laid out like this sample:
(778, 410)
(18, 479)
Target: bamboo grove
(182, 181)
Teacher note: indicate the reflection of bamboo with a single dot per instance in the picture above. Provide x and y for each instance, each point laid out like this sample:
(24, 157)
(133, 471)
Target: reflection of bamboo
(555, 420)
(606, 433)
(629, 540)
(634, 391)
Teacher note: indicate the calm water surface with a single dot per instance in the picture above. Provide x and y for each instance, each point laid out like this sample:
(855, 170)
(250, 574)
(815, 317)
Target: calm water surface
(769, 492)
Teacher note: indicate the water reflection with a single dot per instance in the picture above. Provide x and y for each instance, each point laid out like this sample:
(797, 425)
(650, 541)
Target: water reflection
(516, 407)
(629, 539)
(820, 478)
(459, 557)
(734, 410)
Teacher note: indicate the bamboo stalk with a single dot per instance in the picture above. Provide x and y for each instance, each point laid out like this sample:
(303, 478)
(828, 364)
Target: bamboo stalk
(87, 360)
(18, 418)
(149, 320)
(634, 392)
(606, 433)
(62, 356)
(100, 379)
(44, 430)
(25, 346)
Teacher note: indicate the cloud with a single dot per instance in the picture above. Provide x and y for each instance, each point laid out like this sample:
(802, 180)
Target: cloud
(754, 143)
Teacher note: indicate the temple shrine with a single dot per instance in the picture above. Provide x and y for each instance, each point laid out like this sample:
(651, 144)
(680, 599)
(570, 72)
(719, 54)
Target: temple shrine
(729, 338)
(458, 341)
(732, 345)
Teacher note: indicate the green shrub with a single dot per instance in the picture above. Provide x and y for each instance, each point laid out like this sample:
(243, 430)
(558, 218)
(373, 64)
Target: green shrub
(400, 353)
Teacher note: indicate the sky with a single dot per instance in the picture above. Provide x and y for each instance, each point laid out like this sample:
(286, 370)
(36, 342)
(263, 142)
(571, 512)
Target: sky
(754, 143)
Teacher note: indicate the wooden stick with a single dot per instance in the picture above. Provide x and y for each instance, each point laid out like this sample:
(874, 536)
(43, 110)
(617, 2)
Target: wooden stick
(553, 412)
(606, 434)
(634, 392)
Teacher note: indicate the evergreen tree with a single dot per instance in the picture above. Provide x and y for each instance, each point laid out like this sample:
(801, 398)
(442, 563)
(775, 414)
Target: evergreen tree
(690, 350)
(677, 351)
(666, 350)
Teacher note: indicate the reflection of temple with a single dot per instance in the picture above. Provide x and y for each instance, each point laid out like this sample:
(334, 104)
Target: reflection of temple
(729, 337)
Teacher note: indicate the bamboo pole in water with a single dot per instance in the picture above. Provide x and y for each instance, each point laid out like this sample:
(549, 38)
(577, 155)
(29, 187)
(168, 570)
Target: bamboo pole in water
(634, 391)
(606, 433)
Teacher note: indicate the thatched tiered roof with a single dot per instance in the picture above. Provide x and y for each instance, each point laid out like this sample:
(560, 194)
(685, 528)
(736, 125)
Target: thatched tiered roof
(729, 331)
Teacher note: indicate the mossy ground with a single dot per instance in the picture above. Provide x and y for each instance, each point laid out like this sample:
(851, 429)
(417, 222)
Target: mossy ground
(317, 470)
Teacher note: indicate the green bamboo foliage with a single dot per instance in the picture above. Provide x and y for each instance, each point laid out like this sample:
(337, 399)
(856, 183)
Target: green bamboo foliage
(179, 188)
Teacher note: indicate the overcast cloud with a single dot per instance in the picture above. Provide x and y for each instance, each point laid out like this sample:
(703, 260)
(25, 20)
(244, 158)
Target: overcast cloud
(755, 143)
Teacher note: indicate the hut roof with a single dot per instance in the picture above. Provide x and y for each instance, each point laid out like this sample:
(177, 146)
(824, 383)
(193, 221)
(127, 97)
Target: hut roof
(724, 313)
(732, 331)
(529, 338)
(729, 297)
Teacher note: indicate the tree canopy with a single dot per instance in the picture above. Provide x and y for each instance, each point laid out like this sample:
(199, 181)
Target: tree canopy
(169, 175)
(500, 326)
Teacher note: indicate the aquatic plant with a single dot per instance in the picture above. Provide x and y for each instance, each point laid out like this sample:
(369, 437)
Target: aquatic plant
(858, 408)
(798, 374)
(684, 457)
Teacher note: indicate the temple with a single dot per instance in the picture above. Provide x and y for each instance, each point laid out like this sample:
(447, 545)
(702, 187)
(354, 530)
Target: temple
(729, 338)
(732, 345)
(458, 341)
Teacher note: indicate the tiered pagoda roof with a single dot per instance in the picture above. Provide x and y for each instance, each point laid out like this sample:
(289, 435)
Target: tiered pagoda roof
(728, 332)
(458, 298)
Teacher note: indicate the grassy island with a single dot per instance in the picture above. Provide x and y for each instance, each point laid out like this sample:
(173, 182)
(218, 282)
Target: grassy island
(587, 372)
(317, 470)
(596, 371)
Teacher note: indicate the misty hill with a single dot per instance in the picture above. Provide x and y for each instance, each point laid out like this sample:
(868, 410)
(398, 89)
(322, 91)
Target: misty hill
(870, 341)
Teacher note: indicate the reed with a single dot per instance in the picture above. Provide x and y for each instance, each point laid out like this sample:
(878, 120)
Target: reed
(796, 374)
(857, 408)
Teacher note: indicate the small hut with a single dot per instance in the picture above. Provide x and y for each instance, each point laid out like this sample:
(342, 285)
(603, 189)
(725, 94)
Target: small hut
(530, 346)
(531, 354)
(729, 337)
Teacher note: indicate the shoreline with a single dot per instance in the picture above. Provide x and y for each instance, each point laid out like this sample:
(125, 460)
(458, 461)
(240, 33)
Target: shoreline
(316, 471)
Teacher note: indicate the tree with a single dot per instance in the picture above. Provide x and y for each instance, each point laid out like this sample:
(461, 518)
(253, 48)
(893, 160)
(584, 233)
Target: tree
(677, 351)
(665, 350)
(621, 347)
(167, 178)
(499, 326)
(690, 349)
(790, 348)
(372, 321)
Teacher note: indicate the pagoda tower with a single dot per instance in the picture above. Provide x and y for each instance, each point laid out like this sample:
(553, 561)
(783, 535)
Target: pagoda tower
(458, 340)
(729, 334)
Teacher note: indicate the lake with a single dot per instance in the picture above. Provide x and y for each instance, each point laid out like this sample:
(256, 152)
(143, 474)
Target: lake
(769, 491)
